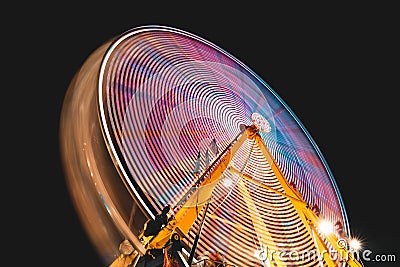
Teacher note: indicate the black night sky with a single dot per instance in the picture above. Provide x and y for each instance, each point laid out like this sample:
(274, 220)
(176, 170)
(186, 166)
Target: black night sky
(334, 66)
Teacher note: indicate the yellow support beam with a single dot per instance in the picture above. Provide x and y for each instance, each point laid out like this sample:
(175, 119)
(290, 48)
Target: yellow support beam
(252, 132)
(300, 204)
(187, 215)
(250, 179)
(306, 214)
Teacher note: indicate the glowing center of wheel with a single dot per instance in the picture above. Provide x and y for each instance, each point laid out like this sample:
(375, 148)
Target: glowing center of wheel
(261, 123)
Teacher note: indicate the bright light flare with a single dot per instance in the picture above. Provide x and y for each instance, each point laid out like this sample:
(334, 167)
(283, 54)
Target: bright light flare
(355, 244)
(325, 227)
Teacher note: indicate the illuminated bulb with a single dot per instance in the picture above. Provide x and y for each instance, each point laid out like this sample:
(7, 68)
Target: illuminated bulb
(355, 244)
(228, 182)
(326, 227)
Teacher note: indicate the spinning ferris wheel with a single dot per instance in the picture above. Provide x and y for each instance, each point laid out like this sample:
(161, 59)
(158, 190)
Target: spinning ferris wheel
(158, 117)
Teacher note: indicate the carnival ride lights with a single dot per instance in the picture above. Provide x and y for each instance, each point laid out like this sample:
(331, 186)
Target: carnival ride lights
(355, 244)
(158, 116)
(325, 227)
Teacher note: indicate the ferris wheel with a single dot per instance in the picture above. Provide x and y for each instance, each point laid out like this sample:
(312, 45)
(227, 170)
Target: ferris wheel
(159, 121)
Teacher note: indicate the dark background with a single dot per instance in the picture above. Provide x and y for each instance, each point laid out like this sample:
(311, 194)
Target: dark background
(335, 66)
